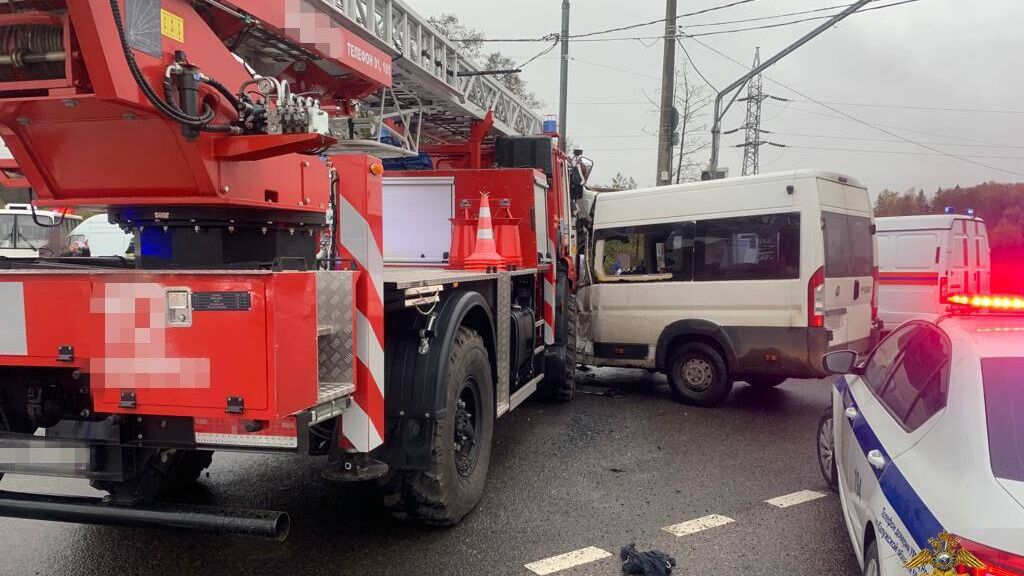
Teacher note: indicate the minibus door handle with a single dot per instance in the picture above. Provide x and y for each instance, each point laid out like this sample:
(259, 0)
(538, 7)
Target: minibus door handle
(856, 289)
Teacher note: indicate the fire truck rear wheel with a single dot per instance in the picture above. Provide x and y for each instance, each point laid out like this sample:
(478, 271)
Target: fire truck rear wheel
(454, 483)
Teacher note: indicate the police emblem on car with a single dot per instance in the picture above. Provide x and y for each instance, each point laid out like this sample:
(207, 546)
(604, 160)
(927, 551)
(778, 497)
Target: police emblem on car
(945, 555)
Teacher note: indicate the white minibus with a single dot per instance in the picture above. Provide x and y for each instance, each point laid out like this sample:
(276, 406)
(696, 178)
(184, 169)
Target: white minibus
(751, 279)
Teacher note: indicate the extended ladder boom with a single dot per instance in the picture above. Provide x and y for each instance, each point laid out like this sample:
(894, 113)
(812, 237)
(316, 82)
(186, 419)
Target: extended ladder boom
(429, 70)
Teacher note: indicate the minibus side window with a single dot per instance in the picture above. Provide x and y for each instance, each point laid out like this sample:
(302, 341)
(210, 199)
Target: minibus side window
(748, 248)
(659, 252)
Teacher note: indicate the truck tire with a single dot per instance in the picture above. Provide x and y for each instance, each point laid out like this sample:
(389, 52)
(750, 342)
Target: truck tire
(449, 490)
(765, 381)
(698, 375)
(560, 358)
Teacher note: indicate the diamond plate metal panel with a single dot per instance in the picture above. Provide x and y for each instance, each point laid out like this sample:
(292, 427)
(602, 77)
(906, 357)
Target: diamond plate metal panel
(504, 328)
(335, 311)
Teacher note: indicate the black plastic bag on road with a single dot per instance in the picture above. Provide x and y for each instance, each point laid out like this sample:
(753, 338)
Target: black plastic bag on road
(651, 563)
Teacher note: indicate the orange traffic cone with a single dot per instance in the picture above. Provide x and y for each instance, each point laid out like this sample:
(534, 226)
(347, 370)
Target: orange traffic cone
(463, 237)
(485, 255)
(506, 232)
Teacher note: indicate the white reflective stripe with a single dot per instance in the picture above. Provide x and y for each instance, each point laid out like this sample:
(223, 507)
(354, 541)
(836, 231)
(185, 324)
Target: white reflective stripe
(567, 560)
(13, 339)
(698, 525)
(485, 212)
(795, 498)
(358, 239)
(549, 298)
(369, 351)
(356, 426)
(254, 440)
(484, 234)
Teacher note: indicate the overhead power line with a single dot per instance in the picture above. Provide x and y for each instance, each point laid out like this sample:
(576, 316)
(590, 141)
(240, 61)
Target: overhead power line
(873, 126)
(589, 37)
(903, 128)
(908, 153)
(617, 29)
(828, 149)
(694, 65)
(819, 136)
(890, 141)
(539, 54)
(792, 22)
(922, 108)
(858, 104)
(660, 20)
(772, 17)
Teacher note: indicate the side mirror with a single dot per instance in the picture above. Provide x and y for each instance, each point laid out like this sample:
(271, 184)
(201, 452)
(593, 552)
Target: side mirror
(841, 362)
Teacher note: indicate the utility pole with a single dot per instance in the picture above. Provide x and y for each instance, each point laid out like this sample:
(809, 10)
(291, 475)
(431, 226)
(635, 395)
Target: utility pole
(716, 127)
(563, 100)
(669, 115)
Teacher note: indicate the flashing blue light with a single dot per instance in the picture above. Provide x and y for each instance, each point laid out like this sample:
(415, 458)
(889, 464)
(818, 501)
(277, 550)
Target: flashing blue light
(970, 212)
(950, 209)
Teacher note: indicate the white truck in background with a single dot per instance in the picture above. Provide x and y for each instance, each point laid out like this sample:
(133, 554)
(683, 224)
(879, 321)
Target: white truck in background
(924, 259)
(100, 237)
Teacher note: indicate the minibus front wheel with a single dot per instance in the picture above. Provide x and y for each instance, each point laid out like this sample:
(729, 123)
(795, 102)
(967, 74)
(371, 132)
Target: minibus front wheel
(698, 375)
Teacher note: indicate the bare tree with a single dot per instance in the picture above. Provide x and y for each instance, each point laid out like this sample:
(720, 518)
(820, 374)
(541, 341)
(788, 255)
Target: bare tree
(470, 43)
(691, 100)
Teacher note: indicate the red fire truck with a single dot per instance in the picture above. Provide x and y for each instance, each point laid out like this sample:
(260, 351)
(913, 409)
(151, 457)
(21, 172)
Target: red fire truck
(310, 185)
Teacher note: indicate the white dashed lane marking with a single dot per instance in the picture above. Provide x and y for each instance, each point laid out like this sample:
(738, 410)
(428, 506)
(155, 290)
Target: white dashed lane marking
(698, 525)
(567, 560)
(795, 498)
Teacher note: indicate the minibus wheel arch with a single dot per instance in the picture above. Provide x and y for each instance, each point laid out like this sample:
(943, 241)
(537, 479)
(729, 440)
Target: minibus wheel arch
(682, 331)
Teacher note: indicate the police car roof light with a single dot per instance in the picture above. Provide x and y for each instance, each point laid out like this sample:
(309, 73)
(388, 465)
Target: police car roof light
(988, 302)
(950, 210)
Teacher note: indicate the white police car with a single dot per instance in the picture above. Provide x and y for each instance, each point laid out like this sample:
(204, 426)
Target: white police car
(927, 436)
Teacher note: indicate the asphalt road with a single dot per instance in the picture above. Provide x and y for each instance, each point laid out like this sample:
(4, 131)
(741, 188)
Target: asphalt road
(601, 472)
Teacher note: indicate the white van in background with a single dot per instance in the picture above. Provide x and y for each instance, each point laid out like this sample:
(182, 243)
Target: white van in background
(924, 259)
(750, 279)
(27, 235)
(101, 237)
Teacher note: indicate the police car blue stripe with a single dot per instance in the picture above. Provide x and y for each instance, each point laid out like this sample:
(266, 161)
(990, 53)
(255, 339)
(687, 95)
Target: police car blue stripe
(905, 502)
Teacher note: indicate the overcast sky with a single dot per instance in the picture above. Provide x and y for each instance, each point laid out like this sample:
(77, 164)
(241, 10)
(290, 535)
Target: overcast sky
(930, 53)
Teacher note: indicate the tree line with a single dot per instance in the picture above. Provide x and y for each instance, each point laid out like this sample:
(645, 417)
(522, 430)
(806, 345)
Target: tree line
(1000, 205)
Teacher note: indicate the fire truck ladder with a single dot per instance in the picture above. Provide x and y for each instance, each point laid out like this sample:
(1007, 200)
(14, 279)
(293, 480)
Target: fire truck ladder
(437, 93)
(431, 74)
